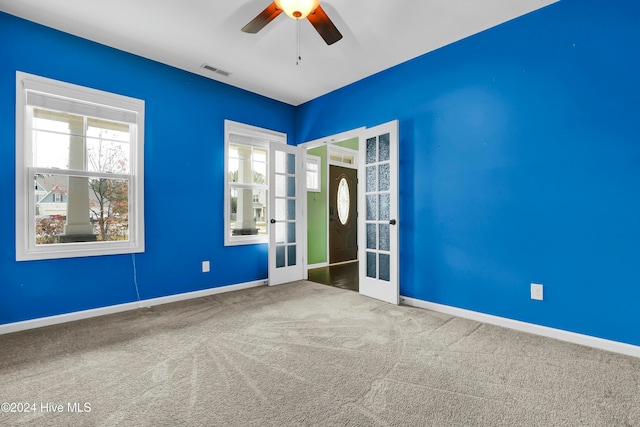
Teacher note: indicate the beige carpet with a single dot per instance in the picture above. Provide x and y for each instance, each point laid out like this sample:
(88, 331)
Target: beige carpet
(307, 354)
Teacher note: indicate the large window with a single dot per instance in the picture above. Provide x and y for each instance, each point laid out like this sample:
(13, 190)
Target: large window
(79, 171)
(247, 182)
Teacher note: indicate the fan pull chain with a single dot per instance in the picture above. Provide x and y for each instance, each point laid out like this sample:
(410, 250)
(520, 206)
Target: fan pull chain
(299, 58)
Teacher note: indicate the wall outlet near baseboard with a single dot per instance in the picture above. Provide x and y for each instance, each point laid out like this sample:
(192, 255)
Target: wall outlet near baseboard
(206, 266)
(536, 291)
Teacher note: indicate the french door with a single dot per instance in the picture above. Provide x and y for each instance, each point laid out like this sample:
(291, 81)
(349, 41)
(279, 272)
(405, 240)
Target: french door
(287, 226)
(378, 221)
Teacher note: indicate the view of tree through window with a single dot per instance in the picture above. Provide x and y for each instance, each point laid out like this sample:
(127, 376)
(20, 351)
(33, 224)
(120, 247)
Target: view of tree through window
(79, 171)
(75, 144)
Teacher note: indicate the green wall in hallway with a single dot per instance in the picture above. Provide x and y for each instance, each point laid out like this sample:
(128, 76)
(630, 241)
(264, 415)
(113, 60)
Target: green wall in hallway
(348, 143)
(317, 213)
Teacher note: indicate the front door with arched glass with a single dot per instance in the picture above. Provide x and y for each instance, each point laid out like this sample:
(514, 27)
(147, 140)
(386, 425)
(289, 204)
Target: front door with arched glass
(343, 214)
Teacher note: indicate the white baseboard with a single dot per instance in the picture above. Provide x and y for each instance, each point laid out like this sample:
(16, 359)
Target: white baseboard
(559, 334)
(85, 314)
(318, 265)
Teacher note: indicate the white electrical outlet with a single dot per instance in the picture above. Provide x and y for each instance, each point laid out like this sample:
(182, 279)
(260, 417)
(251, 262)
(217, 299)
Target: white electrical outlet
(206, 266)
(536, 291)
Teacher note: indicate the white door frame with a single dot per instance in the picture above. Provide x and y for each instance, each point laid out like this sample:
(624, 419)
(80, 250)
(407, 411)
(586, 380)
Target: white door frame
(328, 141)
(374, 290)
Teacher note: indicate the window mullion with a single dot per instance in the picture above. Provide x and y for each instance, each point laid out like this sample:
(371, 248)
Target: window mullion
(72, 172)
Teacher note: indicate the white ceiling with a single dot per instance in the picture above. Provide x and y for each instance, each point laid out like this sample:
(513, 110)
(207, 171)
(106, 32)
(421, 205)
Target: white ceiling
(186, 34)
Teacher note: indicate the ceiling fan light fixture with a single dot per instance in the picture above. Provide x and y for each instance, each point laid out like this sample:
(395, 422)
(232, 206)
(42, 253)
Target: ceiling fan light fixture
(297, 9)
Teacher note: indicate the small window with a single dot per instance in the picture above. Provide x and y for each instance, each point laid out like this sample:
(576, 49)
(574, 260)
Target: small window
(79, 171)
(313, 173)
(342, 158)
(247, 182)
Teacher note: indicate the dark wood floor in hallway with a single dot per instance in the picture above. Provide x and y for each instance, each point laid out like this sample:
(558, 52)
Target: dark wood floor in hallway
(343, 276)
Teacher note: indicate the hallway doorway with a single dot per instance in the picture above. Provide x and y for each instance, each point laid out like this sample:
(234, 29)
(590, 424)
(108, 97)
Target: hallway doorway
(344, 276)
(373, 152)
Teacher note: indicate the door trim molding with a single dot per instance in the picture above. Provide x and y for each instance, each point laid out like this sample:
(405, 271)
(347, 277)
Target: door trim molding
(326, 141)
(354, 133)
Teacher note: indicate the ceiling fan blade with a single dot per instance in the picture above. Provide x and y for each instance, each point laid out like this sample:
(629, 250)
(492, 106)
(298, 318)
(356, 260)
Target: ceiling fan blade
(260, 21)
(324, 26)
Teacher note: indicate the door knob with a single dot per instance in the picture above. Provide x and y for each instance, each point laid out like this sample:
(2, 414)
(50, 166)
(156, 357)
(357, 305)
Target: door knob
(392, 222)
(273, 221)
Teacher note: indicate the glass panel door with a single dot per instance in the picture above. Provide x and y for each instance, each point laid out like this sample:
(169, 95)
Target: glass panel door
(378, 229)
(286, 199)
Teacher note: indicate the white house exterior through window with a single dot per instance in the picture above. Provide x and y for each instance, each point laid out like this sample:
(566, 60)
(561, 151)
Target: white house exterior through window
(247, 182)
(79, 171)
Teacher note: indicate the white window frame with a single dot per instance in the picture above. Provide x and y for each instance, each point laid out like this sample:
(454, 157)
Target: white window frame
(343, 153)
(26, 248)
(260, 138)
(314, 160)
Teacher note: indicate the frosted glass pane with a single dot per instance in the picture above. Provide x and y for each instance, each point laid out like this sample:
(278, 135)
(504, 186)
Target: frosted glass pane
(291, 186)
(371, 264)
(280, 162)
(383, 177)
(385, 269)
(371, 150)
(384, 206)
(291, 255)
(371, 237)
(343, 201)
(291, 209)
(371, 179)
(291, 163)
(385, 237)
(280, 209)
(384, 147)
(372, 209)
(291, 232)
(280, 261)
(280, 232)
(281, 187)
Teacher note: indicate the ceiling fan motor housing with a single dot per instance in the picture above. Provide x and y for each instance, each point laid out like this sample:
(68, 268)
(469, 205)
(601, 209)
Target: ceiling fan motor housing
(297, 9)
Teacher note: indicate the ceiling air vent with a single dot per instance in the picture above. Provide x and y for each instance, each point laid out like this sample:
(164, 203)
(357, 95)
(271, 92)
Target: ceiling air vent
(216, 70)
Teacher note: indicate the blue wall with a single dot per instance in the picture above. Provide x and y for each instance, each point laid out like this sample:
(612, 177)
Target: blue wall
(184, 152)
(520, 163)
